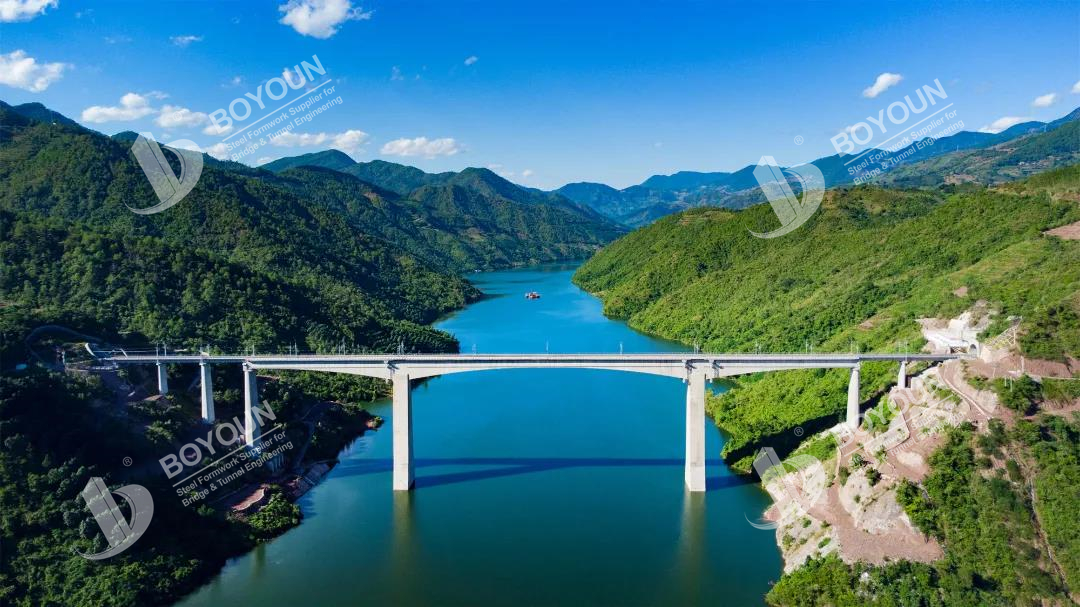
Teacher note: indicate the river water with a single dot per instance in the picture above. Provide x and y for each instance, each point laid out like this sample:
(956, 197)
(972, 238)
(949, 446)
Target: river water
(533, 487)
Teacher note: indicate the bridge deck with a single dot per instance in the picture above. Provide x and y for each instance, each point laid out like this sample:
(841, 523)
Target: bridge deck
(527, 359)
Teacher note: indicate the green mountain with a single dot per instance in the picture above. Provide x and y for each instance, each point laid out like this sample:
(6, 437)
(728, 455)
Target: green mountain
(858, 274)
(354, 287)
(472, 219)
(462, 227)
(396, 177)
(39, 113)
(328, 159)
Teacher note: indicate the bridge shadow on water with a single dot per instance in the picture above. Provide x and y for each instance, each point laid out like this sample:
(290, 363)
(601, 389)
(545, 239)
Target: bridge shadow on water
(496, 467)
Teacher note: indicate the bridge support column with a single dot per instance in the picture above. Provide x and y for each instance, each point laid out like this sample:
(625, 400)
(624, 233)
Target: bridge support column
(251, 401)
(901, 378)
(207, 390)
(162, 379)
(402, 421)
(695, 431)
(853, 400)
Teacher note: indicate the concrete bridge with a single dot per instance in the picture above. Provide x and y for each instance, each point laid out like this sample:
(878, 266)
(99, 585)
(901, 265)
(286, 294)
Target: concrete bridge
(695, 369)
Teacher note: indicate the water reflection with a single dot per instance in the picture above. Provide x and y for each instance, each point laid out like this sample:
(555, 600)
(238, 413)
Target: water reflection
(258, 562)
(690, 567)
(403, 549)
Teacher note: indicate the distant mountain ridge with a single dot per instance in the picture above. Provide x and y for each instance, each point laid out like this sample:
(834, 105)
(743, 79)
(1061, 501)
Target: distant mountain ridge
(661, 195)
(405, 180)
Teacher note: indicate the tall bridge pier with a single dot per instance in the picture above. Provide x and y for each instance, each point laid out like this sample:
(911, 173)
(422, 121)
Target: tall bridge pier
(852, 418)
(206, 391)
(694, 472)
(404, 474)
(162, 379)
(252, 431)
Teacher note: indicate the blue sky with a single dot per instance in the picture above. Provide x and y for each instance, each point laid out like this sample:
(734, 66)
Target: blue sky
(557, 91)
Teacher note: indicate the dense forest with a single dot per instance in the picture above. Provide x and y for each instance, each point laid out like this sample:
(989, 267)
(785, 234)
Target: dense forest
(472, 219)
(59, 430)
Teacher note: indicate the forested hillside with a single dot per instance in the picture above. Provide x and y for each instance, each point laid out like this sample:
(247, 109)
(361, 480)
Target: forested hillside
(73, 249)
(468, 220)
(857, 275)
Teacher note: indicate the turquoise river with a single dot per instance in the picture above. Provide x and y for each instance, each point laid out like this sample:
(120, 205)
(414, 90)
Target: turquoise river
(533, 487)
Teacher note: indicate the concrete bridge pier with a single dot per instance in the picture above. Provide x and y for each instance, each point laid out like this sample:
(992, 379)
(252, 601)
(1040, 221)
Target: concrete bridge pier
(251, 401)
(853, 400)
(402, 421)
(162, 379)
(695, 431)
(207, 390)
(901, 378)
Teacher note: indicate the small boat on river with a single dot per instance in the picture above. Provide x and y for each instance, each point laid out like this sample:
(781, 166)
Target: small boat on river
(532, 295)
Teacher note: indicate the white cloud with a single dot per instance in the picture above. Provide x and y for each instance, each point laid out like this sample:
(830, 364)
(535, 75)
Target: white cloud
(349, 141)
(471, 59)
(218, 150)
(263, 160)
(498, 170)
(132, 107)
(22, 71)
(1003, 123)
(234, 82)
(320, 18)
(884, 82)
(421, 146)
(174, 116)
(395, 73)
(121, 39)
(1045, 100)
(184, 41)
(527, 173)
(213, 129)
(24, 10)
(1076, 87)
(183, 144)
